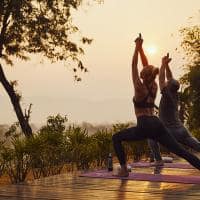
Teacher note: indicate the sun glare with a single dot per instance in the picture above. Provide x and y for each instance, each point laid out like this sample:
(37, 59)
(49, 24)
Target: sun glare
(151, 49)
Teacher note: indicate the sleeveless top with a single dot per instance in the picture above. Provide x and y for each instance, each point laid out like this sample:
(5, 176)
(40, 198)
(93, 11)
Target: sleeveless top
(168, 109)
(143, 103)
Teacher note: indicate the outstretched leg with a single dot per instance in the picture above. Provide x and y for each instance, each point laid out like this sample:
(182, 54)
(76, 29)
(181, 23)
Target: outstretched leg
(192, 142)
(172, 145)
(184, 137)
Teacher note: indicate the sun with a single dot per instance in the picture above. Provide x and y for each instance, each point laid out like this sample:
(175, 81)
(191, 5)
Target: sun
(151, 49)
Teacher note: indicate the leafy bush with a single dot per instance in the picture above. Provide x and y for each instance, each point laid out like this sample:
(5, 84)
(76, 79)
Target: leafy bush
(55, 124)
(48, 148)
(53, 147)
(196, 133)
(2, 161)
(47, 151)
(137, 150)
(17, 160)
(80, 146)
(104, 146)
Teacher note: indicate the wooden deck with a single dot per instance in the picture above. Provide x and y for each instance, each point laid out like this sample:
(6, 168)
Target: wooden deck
(71, 186)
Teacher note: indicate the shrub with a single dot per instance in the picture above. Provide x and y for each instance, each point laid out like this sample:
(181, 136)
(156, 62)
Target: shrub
(2, 161)
(80, 146)
(137, 149)
(17, 160)
(196, 133)
(47, 151)
(104, 146)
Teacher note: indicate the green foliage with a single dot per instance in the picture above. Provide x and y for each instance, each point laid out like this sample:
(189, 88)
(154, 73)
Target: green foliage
(55, 146)
(136, 150)
(2, 161)
(13, 131)
(190, 96)
(48, 148)
(47, 152)
(35, 148)
(55, 124)
(80, 146)
(196, 133)
(17, 160)
(103, 140)
(43, 27)
(120, 126)
(191, 43)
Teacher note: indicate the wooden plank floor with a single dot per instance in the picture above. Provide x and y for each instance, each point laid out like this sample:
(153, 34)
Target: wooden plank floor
(68, 186)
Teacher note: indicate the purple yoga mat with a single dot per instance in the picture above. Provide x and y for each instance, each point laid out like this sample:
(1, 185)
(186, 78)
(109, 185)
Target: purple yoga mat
(166, 165)
(145, 177)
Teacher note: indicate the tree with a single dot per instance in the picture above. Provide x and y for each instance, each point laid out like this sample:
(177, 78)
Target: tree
(55, 124)
(40, 27)
(191, 79)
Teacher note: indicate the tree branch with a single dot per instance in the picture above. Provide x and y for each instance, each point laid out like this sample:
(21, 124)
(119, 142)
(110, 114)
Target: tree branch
(27, 113)
(5, 25)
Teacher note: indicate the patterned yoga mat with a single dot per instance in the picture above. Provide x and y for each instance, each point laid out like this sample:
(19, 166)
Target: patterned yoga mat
(145, 177)
(166, 165)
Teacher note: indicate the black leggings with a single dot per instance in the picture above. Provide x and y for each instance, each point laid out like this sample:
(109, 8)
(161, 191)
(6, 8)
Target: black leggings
(150, 127)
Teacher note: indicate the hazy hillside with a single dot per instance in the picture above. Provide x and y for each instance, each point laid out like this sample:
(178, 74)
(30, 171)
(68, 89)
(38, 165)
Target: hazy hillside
(90, 127)
(77, 110)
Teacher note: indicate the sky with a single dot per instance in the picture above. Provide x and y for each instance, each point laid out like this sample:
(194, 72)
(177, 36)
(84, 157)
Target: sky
(105, 93)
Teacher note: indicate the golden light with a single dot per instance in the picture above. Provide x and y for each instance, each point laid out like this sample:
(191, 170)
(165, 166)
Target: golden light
(151, 49)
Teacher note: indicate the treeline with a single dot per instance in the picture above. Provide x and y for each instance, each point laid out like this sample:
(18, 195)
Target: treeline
(58, 146)
(190, 95)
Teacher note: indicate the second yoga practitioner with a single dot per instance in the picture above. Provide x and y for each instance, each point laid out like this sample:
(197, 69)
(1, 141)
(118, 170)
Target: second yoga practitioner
(148, 125)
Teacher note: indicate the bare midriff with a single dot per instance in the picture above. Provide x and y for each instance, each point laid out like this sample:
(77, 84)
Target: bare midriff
(144, 112)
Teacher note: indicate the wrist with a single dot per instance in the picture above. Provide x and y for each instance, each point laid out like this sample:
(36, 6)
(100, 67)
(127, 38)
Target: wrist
(140, 49)
(137, 49)
(163, 65)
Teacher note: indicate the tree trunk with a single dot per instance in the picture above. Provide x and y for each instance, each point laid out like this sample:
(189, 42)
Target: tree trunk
(15, 102)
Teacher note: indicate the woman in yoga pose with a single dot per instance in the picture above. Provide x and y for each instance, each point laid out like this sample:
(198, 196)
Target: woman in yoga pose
(148, 125)
(169, 115)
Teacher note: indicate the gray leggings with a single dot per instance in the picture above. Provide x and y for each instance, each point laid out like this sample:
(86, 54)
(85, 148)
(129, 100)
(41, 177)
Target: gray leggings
(182, 135)
(150, 127)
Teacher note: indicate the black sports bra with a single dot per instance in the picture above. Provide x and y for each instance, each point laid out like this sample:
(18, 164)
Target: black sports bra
(143, 103)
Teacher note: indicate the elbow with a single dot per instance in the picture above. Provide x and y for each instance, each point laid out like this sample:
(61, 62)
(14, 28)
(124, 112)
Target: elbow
(134, 65)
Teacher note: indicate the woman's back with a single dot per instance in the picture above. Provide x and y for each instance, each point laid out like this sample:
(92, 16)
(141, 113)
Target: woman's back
(144, 99)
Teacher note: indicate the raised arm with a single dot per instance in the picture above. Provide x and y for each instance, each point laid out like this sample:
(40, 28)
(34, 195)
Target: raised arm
(135, 74)
(162, 82)
(143, 58)
(169, 75)
(165, 62)
(141, 52)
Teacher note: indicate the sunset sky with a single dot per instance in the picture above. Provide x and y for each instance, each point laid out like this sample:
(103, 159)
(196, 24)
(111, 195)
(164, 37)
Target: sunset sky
(106, 91)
